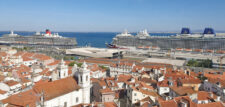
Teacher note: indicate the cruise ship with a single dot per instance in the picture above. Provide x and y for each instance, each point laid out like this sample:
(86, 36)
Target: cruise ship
(38, 40)
(207, 40)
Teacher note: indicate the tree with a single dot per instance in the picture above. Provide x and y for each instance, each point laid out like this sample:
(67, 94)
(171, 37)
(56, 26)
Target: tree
(72, 63)
(200, 63)
(78, 64)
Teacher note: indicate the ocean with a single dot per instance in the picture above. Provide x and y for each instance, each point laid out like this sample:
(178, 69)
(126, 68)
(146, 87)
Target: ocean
(93, 39)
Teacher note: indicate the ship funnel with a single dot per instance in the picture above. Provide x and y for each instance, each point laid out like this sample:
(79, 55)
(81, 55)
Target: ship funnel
(208, 31)
(11, 32)
(47, 31)
(185, 31)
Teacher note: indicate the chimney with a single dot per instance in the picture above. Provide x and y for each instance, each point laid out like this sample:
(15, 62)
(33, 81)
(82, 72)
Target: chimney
(211, 94)
(92, 105)
(116, 78)
(170, 82)
(118, 104)
(218, 98)
(184, 103)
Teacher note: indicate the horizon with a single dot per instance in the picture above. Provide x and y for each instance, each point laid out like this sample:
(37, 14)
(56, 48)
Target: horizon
(111, 16)
(177, 31)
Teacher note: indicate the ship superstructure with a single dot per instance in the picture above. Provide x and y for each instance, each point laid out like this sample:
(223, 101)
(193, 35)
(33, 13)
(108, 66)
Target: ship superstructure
(184, 40)
(38, 40)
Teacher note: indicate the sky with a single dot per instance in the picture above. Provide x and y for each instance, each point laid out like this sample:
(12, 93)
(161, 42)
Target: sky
(111, 15)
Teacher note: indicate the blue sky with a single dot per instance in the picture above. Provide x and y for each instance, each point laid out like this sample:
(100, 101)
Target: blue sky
(111, 15)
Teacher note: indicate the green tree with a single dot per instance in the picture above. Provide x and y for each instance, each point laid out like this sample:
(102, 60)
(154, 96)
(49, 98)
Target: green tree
(200, 63)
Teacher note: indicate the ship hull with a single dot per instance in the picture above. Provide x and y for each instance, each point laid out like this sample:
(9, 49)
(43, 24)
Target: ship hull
(39, 42)
(172, 42)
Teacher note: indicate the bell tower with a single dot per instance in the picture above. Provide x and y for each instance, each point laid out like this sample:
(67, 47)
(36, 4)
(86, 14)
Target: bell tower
(84, 82)
(62, 70)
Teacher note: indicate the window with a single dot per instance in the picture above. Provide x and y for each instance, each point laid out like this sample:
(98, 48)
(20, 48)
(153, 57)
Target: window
(135, 94)
(80, 78)
(87, 78)
(65, 104)
(77, 99)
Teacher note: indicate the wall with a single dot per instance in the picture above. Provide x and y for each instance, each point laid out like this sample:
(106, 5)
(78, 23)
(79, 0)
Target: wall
(70, 98)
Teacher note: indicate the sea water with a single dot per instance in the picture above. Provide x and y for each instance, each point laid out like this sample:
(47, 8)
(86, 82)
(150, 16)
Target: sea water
(93, 39)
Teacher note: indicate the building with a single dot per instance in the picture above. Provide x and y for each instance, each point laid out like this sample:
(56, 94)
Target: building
(95, 52)
(64, 90)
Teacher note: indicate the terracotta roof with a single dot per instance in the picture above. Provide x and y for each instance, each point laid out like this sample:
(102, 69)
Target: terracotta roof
(107, 90)
(170, 103)
(3, 54)
(22, 99)
(124, 78)
(57, 88)
(218, 80)
(56, 62)
(198, 50)
(175, 102)
(25, 58)
(148, 80)
(183, 90)
(20, 53)
(2, 78)
(110, 104)
(209, 51)
(2, 92)
(146, 99)
(212, 104)
(42, 57)
(203, 95)
(28, 54)
(144, 85)
(150, 93)
(220, 51)
(11, 83)
(24, 80)
(164, 83)
(191, 81)
(102, 83)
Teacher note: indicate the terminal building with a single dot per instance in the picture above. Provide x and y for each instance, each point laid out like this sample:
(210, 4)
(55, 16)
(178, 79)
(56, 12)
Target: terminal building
(95, 52)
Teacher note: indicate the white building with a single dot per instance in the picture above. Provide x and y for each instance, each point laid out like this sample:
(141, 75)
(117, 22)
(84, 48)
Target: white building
(96, 71)
(138, 93)
(66, 91)
(84, 82)
(28, 61)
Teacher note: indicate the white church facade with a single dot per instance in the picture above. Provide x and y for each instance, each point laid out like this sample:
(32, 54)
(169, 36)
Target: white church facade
(66, 90)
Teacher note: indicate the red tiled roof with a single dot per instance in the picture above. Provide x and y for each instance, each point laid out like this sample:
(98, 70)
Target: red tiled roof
(183, 90)
(11, 83)
(2, 92)
(212, 104)
(57, 88)
(203, 95)
(56, 62)
(26, 58)
(110, 104)
(191, 81)
(22, 99)
(107, 90)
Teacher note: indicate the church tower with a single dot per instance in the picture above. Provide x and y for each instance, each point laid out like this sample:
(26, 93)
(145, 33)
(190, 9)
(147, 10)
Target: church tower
(62, 70)
(84, 82)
